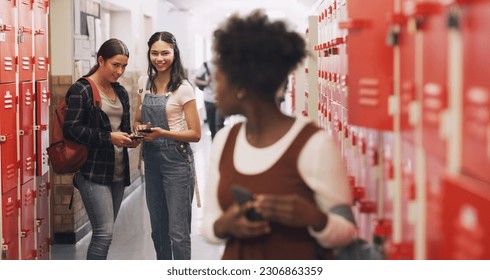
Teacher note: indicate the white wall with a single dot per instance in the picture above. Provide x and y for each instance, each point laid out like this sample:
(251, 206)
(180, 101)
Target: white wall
(61, 37)
(130, 21)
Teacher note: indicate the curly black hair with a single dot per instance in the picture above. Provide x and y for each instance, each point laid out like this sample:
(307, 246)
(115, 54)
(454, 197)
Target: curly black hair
(256, 54)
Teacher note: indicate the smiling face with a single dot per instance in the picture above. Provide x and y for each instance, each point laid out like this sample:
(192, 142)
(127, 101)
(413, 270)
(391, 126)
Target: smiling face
(114, 67)
(161, 56)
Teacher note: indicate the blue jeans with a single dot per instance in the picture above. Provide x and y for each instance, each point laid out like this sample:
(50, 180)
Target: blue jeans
(102, 204)
(169, 176)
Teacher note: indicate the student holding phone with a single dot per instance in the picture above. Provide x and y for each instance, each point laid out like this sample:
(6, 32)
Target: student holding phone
(168, 120)
(286, 169)
(107, 133)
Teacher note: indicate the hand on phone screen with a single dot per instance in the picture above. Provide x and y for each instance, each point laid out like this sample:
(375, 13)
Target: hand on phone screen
(242, 195)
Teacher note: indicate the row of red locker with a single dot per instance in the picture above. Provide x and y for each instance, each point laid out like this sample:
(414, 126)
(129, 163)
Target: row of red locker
(421, 39)
(33, 229)
(361, 45)
(30, 163)
(31, 27)
(24, 135)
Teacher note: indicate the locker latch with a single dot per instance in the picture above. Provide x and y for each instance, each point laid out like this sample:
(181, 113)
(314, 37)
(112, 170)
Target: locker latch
(5, 248)
(3, 138)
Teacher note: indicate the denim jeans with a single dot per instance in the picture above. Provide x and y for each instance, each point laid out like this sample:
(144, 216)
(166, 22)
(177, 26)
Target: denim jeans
(169, 176)
(102, 204)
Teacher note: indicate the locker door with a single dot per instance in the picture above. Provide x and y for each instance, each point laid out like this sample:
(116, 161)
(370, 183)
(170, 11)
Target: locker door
(435, 169)
(42, 217)
(42, 122)
(434, 80)
(7, 41)
(370, 63)
(408, 57)
(26, 116)
(41, 39)
(8, 137)
(10, 225)
(466, 226)
(25, 40)
(475, 23)
(27, 233)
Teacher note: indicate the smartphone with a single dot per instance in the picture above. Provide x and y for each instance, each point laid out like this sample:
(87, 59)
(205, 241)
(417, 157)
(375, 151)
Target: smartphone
(146, 130)
(136, 137)
(242, 195)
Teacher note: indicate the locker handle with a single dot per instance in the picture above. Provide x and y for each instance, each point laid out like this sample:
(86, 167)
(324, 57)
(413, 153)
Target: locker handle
(3, 138)
(23, 29)
(25, 233)
(354, 24)
(5, 27)
(39, 32)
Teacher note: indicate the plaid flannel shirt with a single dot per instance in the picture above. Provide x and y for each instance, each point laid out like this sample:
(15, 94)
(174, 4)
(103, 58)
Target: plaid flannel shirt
(80, 125)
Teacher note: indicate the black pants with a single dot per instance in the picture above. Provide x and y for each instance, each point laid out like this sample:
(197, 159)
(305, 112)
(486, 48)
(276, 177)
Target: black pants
(214, 118)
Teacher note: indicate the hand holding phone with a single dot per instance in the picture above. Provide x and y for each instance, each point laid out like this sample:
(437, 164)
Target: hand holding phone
(136, 137)
(146, 130)
(242, 195)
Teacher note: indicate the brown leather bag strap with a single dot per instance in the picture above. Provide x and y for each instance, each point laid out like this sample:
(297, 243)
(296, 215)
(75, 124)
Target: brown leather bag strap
(95, 93)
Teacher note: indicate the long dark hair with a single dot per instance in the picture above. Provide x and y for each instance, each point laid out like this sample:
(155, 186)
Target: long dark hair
(177, 73)
(108, 49)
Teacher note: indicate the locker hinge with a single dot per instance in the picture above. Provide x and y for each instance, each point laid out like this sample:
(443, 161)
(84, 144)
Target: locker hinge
(453, 20)
(392, 37)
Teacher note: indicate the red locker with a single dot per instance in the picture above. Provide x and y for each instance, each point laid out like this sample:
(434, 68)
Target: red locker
(466, 226)
(475, 22)
(42, 122)
(434, 69)
(24, 40)
(434, 171)
(41, 39)
(27, 234)
(407, 65)
(370, 63)
(7, 41)
(42, 217)
(26, 120)
(8, 137)
(10, 225)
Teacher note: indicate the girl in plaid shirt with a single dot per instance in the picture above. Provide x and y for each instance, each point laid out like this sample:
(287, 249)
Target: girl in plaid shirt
(107, 133)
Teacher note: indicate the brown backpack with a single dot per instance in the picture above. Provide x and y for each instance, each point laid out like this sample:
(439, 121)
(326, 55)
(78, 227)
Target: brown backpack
(67, 156)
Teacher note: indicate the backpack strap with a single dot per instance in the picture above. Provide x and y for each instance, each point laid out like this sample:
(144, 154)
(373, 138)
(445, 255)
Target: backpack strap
(95, 93)
(96, 99)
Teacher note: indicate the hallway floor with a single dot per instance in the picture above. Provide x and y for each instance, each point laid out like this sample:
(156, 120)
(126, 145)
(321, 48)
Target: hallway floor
(132, 240)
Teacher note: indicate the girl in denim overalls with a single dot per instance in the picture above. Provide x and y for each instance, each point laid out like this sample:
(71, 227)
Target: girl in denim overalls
(167, 106)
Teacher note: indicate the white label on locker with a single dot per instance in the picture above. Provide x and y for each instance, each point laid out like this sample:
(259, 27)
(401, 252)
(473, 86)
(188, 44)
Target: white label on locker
(2, 37)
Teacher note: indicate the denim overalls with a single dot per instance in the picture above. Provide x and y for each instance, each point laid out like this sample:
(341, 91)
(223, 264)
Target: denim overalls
(169, 172)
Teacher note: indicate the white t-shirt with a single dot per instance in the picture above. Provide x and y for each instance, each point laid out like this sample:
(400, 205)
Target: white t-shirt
(175, 102)
(320, 165)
